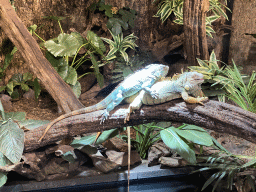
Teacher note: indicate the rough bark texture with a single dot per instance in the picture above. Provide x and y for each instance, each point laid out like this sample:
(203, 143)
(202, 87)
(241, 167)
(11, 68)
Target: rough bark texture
(194, 29)
(243, 47)
(220, 117)
(39, 65)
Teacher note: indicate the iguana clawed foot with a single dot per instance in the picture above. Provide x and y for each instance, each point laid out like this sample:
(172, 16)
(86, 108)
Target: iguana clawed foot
(201, 99)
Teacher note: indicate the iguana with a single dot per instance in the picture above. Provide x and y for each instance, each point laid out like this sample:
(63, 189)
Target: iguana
(186, 84)
(140, 80)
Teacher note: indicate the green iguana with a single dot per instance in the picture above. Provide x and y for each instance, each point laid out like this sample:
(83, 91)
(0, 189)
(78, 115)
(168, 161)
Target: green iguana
(140, 80)
(186, 84)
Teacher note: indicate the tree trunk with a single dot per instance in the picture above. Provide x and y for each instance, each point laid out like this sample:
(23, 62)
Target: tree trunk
(39, 65)
(218, 116)
(194, 14)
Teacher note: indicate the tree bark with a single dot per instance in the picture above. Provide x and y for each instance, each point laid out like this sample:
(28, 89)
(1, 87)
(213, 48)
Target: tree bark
(217, 116)
(194, 14)
(39, 65)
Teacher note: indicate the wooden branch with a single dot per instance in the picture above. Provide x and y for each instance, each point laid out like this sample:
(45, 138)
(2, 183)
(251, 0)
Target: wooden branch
(39, 65)
(217, 116)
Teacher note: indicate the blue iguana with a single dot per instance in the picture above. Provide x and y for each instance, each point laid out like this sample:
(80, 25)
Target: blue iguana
(140, 80)
(186, 84)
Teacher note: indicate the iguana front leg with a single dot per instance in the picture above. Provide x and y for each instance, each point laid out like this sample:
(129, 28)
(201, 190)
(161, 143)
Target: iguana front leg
(136, 104)
(190, 99)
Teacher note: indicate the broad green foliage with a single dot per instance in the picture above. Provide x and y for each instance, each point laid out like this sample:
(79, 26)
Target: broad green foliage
(167, 7)
(64, 45)
(31, 123)
(118, 18)
(12, 138)
(84, 144)
(23, 82)
(179, 139)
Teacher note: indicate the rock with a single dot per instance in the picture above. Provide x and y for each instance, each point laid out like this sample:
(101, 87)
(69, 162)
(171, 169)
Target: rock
(6, 102)
(29, 95)
(116, 144)
(156, 151)
(103, 164)
(121, 158)
(173, 161)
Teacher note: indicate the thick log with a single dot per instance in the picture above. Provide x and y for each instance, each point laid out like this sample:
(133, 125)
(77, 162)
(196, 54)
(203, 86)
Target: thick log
(194, 14)
(17, 32)
(217, 116)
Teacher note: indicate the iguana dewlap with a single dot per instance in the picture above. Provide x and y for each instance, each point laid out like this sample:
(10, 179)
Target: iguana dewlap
(188, 83)
(140, 80)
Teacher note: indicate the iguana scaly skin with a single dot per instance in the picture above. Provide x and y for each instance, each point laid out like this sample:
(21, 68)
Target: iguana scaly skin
(140, 80)
(186, 84)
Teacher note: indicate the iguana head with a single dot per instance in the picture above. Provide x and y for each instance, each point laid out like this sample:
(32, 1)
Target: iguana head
(191, 79)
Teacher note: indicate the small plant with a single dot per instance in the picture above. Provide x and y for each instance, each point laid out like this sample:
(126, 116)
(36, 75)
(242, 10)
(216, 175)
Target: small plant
(119, 45)
(66, 46)
(23, 82)
(167, 7)
(230, 80)
(231, 168)
(146, 136)
(118, 18)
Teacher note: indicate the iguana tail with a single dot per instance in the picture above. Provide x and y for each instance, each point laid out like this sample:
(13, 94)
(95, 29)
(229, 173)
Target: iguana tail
(99, 106)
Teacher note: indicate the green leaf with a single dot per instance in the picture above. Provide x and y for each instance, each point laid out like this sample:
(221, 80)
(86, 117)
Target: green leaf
(11, 141)
(71, 76)
(65, 45)
(37, 88)
(195, 134)
(76, 89)
(15, 95)
(96, 42)
(32, 124)
(2, 111)
(98, 75)
(24, 86)
(27, 76)
(86, 140)
(172, 140)
(115, 24)
(105, 135)
(69, 156)
(16, 116)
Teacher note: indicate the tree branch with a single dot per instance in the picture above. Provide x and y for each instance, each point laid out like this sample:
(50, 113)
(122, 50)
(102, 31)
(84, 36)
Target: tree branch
(214, 115)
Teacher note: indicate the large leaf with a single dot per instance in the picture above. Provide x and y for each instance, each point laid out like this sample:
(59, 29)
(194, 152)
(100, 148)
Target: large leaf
(37, 88)
(3, 176)
(96, 42)
(76, 89)
(172, 140)
(67, 73)
(195, 134)
(32, 124)
(2, 111)
(116, 24)
(65, 45)
(11, 140)
(16, 116)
